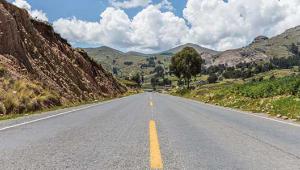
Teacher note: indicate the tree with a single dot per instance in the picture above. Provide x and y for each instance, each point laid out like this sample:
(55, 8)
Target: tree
(166, 81)
(115, 71)
(294, 49)
(186, 64)
(160, 71)
(138, 79)
(154, 82)
(212, 78)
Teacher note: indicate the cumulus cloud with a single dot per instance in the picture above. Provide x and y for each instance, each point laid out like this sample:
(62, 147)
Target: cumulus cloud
(210, 23)
(130, 3)
(166, 4)
(150, 30)
(37, 14)
(221, 25)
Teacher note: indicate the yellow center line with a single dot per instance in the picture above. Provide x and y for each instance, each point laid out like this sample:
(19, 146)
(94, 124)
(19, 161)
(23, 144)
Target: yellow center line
(155, 155)
(151, 103)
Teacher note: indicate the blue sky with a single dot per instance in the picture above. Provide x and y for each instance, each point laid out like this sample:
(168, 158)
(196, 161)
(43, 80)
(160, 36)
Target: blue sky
(156, 25)
(87, 9)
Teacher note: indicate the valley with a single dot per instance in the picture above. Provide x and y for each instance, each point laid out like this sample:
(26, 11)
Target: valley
(260, 63)
(145, 97)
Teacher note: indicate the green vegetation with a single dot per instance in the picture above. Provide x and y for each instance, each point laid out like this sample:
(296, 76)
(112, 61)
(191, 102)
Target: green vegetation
(270, 88)
(126, 65)
(212, 78)
(19, 97)
(186, 64)
(247, 70)
(273, 96)
(2, 71)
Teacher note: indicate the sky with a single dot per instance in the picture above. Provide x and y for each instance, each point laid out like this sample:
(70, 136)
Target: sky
(156, 25)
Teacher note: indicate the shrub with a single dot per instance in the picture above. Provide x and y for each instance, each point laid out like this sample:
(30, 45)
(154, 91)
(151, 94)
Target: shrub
(2, 109)
(272, 77)
(3, 71)
(213, 78)
(269, 88)
(24, 96)
(128, 63)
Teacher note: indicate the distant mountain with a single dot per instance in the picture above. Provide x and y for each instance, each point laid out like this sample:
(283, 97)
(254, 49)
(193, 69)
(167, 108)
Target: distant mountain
(206, 54)
(111, 52)
(199, 49)
(124, 63)
(111, 58)
(262, 49)
(278, 46)
(134, 53)
(105, 51)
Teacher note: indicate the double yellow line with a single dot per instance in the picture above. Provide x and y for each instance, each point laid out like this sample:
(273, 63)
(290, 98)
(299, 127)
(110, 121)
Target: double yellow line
(155, 154)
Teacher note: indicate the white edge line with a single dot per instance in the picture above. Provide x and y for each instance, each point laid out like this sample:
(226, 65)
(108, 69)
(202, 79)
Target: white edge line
(59, 114)
(243, 112)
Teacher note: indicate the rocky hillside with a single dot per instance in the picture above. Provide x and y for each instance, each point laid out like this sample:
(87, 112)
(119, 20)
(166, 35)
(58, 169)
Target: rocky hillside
(31, 52)
(261, 49)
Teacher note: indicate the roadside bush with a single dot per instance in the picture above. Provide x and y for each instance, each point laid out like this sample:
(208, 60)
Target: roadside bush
(2, 109)
(272, 77)
(23, 96)
(213, 78)
(2, 71)
(280, 107)
(128, 63)
(269, 88)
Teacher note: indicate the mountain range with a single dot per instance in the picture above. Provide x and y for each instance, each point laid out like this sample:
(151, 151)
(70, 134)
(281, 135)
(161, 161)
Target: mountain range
(262, 49)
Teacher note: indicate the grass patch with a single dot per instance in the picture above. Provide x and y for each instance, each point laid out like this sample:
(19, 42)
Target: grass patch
(278, 96)
(67, 105)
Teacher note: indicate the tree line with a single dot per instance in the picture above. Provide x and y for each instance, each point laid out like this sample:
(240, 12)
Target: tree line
(187, 64)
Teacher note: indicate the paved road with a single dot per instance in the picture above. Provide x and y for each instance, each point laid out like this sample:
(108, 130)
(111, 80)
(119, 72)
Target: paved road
(148, 130)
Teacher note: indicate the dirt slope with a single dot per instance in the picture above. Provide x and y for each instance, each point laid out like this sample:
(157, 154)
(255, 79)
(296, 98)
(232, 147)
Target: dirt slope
(31, 50)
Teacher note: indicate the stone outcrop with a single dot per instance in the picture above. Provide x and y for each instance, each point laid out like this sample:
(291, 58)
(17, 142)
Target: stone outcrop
(31, 50)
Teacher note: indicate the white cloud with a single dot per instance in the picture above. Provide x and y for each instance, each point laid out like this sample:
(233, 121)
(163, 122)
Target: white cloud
(22, 4)
(234, 24)
(37, 14)
(150, 30)
(166, 4)
(210, 23)
(130, 3)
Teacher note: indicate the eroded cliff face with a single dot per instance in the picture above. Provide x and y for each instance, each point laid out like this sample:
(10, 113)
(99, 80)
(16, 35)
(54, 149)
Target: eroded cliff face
(31, 50)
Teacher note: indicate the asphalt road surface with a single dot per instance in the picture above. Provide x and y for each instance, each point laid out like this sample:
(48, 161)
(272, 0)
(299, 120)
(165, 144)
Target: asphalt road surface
(149, 131)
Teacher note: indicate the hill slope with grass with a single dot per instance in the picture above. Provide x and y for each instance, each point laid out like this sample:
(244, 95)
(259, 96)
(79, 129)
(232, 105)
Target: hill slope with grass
(198, 48)
(262, 49)
(39, 69)
(126, 64)
(132, 62)
(276, 95)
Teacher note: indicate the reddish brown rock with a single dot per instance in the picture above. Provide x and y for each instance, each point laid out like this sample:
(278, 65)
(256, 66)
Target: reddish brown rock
(31, 50)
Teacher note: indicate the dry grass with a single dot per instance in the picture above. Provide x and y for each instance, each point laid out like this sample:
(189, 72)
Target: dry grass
(20, 96)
